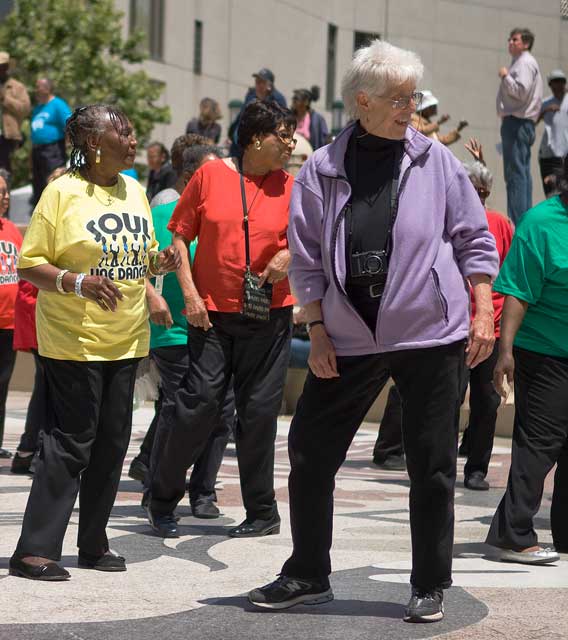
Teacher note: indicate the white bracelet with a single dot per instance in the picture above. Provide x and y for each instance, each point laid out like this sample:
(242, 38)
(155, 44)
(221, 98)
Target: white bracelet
(59, 281)
(78, 283)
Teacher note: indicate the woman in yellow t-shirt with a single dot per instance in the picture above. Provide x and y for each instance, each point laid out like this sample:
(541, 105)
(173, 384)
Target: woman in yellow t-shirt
(88, 249)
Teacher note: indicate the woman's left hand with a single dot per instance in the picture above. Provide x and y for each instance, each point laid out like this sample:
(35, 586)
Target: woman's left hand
(168, 259)
(276, 269)
(481, 339)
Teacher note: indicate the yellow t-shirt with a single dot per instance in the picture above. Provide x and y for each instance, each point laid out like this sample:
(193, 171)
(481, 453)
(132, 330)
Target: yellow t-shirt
(95, 230)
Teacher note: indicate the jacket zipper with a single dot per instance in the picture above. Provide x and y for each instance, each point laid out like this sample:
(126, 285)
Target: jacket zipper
(443, 302)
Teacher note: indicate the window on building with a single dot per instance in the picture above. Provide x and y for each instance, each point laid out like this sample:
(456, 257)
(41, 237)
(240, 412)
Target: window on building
(197, 46)
(331, 65)
(363, 38)
(564, 9)
(148, 16)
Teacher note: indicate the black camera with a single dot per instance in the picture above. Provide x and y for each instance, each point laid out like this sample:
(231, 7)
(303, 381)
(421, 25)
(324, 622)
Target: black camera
(369, 263)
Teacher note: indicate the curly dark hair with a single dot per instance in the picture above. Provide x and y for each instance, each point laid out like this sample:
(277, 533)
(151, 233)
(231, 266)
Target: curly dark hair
(261, 118)
(181, 143)
(89, 120)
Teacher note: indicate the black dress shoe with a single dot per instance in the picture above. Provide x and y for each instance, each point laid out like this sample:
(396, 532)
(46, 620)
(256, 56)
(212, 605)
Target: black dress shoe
(392, 463)
(163, 525)
(21, 464)
(205, 509)
(4, 453)
(476, 481)
(256, 528)
(138, 470)
(48, 572)
(110, 561)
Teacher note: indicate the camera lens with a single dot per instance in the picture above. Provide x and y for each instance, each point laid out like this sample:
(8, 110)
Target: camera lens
(374, 264)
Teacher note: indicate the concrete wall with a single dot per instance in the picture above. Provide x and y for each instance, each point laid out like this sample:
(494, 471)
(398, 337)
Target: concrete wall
(462, 44)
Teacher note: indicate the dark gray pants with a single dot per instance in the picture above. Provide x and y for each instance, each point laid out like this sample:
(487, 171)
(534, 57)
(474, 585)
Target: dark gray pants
(255, 355)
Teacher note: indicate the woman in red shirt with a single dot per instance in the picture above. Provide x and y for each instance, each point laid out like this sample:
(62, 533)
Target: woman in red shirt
(223, 339)
(10, 244)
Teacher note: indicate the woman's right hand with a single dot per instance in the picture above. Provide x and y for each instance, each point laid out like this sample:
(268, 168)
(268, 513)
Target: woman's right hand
(505, 366)
(101, 290)
(196, 312)
(322, 360)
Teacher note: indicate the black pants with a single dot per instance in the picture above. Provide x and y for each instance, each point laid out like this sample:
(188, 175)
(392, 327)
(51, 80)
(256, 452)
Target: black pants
(328, 415)
(37, 409)
(7, 148)
(389, 440)
(45, 159)
(173, 364)
(478, 436)
(540, 440)
(82, 451)
(256, 355)
(550, 167)
(484, 403)
(7, 362)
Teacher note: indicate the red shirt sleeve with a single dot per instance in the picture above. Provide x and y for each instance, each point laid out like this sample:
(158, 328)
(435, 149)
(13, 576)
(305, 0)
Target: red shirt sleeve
(186, 218)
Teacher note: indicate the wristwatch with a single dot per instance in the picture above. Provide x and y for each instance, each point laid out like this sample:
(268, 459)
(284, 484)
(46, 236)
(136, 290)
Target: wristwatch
(312, 324)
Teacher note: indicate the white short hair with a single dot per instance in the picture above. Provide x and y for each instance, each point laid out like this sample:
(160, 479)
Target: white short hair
(479, 174)
(377, 69)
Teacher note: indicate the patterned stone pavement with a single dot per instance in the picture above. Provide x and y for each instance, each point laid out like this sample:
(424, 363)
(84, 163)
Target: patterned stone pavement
(195, 586)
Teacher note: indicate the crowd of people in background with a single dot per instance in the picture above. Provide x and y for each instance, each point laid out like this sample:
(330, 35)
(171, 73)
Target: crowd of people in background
(398, 268)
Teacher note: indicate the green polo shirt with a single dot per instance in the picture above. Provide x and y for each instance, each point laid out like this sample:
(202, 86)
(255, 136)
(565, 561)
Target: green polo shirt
(177, 333)
(536, 271)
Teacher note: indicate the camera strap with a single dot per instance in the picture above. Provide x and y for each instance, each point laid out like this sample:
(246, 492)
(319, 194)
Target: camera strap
(246, 210)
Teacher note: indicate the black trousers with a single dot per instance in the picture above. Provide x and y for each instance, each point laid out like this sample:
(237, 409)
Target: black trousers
(7, 148)
(550, 167)
(484, 403)
(328, 415)
(173, 364)
(37, 409)
(389, 439)
(7, 362)
(478, 436)
(88, 428)
(45, 159)
(540, 440)
(255, 355)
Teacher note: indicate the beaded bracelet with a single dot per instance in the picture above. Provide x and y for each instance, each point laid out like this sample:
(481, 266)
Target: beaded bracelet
(59, 281)
(78, 283)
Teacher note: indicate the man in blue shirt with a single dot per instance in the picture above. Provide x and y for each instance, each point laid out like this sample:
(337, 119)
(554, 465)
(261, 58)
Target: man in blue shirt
(48, 135)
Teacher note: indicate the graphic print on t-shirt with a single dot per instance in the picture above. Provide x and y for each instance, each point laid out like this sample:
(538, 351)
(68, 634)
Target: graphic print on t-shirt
(123, 238)
(8, 262)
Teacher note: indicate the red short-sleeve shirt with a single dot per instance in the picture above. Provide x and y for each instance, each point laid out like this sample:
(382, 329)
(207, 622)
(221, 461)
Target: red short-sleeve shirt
(500, 227)
(211, 208)
(10, 245)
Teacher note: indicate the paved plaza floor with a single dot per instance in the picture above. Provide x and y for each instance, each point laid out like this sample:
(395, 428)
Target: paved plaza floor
(194, 587)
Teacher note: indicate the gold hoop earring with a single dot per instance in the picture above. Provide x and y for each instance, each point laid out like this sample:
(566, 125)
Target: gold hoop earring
(98, 156)
(257, 145)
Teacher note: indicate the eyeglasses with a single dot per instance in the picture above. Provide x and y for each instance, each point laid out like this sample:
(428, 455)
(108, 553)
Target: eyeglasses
(402, 103)
(286, 138)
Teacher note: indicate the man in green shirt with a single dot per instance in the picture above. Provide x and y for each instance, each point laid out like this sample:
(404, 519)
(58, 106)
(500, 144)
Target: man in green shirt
(533, 351)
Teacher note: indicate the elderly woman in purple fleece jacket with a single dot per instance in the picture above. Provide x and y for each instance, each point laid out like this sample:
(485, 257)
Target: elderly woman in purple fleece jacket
(385, 232)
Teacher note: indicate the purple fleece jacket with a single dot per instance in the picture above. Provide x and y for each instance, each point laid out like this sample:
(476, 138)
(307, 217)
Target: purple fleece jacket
(440, 237)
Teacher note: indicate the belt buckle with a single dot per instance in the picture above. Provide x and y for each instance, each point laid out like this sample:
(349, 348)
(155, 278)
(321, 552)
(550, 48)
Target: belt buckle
(376, 290)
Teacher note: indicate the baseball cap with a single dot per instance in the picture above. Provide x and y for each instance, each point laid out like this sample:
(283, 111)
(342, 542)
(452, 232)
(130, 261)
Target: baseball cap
(428, 100)
(556, 74)
(265, 74)
(4, 57)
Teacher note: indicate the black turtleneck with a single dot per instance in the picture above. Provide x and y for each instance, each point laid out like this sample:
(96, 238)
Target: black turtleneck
(371, 164)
